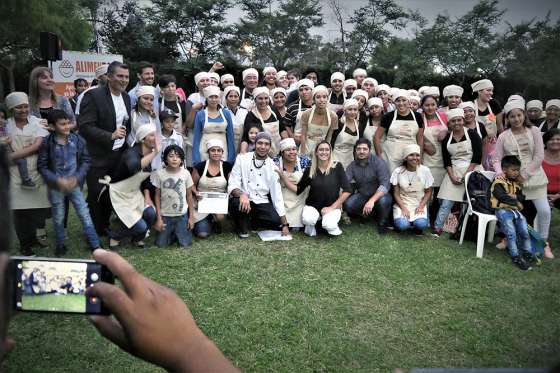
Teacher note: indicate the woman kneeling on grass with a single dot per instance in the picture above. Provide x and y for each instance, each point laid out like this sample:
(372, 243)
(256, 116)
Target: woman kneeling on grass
(329, 188)
(412, 188)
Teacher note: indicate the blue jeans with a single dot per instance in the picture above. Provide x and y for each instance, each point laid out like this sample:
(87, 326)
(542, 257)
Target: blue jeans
(77, 198)
(203, 227)
(402, 224)
(514, 225)
(21, 164)
(175, 227)
(138, 231)
(444, 210)
(354, 206)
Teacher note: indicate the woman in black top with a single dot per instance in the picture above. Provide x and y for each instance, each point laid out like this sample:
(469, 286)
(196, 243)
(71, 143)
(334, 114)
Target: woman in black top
(326, 179)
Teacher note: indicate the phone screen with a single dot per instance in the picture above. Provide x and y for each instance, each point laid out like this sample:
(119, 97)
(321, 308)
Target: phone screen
(52, 285)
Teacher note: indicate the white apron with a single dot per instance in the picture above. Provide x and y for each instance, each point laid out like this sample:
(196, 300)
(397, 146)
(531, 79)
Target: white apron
(369, 132)
(315, 133)
(127, 198)
(434, 162)
(292, 202)
(23, 198)
(245, 102)
(273, 128)
(131, 139)
(489, 143)
(210, 184)
(523, 146)
(213, 130)
(297, 128)
(343, 150)
(334, 107)
(411, 192)
(238, 122)
(461, 156)
(400, 134)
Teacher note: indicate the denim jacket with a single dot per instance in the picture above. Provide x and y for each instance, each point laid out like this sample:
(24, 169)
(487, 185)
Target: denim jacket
(46, 163)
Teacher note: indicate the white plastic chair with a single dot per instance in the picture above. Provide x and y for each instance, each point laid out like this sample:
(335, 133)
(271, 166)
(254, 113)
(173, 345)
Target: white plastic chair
(483, 219)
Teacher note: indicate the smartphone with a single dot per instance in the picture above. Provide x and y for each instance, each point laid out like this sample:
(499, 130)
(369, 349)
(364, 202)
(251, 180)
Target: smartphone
(57, 285)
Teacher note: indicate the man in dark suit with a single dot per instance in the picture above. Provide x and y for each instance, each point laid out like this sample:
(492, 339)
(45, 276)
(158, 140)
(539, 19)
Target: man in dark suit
(104, 122)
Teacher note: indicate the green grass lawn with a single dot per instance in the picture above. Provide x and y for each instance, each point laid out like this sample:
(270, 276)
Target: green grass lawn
(360, 302)
(58, 302)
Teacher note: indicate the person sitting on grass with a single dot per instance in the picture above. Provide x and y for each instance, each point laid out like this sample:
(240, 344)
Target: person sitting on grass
(412, 188)
(174, 202)
(507, 198)
(63, 163)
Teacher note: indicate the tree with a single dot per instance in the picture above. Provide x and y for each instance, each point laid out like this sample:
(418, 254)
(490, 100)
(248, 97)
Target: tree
(373, 26)
(276, 32)
(22, 21)
(467, 46)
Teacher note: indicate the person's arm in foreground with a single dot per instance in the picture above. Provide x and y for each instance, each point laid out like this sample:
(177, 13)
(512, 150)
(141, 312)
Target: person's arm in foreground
(151, 322)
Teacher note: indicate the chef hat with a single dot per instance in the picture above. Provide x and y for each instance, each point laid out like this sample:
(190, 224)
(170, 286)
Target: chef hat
(230, 88)
(350, 83)
(393, 90)
(514, 104)
(101, 70)
(259, 91)
(431, 91)
(455, 113)
(453, 90)
(534, 104)
(382, 87)
(374, 101)
(516, 97)
(370, 80)
(320, 88)
(421, 90)
(479, 85)
(287, 143)
(263, 135)
(413, 92)
(337, 76)
(15, 99)
(410, 149)
(467, 104)
(199, 76)
(359, 72)
(211, 90)
(250, 71)
(306, 82)
(144, 130)
(269, 69)
(414, 98)
(214, 75)
(212, 143)
(226, 76)
(278, 90)
(360, 92)
(145, 90)
(399, 93)
(350, 102)
(553, 102)
(281, 74)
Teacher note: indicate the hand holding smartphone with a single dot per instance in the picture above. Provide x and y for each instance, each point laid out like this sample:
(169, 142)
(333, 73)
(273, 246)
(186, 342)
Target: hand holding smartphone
(57, 285)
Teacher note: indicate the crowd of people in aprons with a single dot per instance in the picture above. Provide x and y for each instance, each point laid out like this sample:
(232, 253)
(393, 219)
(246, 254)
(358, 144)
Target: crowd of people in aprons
(291, 154)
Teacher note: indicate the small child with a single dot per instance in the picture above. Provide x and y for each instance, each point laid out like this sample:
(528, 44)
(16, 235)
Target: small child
(63, 162)
(248, 140)
(169, 136)
(506, 198)
(174, 201)
(21, 163)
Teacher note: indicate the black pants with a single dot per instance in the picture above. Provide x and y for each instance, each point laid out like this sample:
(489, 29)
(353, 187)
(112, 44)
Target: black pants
(26, 223)
(99, 206)
(262, 215)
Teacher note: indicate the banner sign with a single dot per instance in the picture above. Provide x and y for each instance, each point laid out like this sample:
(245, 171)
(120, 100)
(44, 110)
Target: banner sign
(76, 65)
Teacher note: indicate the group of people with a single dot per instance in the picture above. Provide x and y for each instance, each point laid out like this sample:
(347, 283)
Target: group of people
(290, 153)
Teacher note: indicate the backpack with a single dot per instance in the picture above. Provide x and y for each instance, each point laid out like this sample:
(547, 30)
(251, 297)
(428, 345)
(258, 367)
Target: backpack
(479, 192)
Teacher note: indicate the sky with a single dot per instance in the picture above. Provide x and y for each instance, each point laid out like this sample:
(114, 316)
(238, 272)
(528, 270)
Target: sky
(517, 11)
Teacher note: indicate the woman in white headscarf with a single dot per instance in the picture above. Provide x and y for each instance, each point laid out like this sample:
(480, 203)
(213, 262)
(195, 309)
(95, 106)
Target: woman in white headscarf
(524, 141)
(345, 136)
(453, 96)
(318, 123)
(552, 119)
(231, 98)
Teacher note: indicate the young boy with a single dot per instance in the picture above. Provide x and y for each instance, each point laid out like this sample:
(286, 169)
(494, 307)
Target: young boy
(168, 134)
(507, 198)
(63, 162)
(174, 201)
